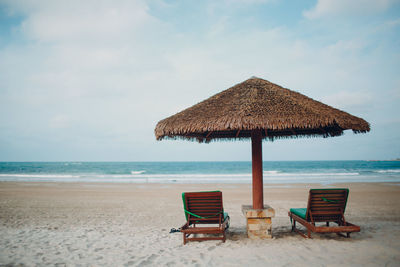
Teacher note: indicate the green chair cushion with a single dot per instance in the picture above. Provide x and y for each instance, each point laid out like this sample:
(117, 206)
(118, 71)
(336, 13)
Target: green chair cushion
(302, 212)
(186, 212)
(225, 215)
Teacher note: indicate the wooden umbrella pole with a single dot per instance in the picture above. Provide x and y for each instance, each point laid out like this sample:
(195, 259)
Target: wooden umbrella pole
(257, 169)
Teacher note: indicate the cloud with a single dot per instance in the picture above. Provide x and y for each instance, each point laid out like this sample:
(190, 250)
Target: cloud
(60, 121)
(334, 8)
(52, 21)
(393, 23)
(249, 2)
(100, 74)
(349, 99)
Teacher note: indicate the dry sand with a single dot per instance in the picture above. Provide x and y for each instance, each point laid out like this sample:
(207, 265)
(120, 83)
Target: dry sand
(90, 224)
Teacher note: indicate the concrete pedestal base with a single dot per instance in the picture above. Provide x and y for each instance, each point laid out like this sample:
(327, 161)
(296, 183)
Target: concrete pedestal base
(258, 221)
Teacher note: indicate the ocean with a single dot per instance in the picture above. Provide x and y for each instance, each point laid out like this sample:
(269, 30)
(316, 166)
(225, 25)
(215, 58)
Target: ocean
(324, 172)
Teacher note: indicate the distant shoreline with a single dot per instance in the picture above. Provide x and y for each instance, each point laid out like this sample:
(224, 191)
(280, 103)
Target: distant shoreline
(189, 161)
(384, 159)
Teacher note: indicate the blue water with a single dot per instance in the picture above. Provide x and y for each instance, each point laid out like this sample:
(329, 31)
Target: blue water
(324, 172)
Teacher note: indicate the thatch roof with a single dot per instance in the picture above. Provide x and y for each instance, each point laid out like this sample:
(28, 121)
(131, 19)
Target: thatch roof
(258, 104)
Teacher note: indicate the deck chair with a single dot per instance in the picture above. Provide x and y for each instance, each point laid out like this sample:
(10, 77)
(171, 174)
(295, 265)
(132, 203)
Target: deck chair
(204, 208)
(324, 205)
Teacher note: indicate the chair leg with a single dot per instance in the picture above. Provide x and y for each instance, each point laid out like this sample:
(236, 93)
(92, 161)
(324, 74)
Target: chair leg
(342, 235)
(184, 238)
(294, 229)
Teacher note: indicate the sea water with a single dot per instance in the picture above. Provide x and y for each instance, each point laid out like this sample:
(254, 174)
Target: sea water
(324, 172)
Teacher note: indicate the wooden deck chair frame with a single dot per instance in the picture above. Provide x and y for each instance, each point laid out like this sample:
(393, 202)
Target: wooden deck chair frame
(204, 208)
(324, 205)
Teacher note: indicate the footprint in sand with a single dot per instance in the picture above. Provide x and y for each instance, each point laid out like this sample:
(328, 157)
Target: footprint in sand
(149, 260)
(129, 263)
(211, 248)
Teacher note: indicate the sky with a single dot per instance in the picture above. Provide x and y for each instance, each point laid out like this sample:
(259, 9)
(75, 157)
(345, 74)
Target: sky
(89, 80)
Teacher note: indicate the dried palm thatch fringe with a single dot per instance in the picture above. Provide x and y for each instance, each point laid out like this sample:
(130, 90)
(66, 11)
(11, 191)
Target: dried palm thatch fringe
(258, 104)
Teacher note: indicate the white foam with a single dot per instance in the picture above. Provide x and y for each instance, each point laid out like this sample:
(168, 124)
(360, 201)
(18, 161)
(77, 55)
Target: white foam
(137, 172)
(40, 175)
(270, 176)
(313, 174)
(388, 171)
(271, 172)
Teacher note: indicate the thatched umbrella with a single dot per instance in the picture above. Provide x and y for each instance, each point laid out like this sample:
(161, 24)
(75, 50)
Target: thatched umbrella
(258, 109)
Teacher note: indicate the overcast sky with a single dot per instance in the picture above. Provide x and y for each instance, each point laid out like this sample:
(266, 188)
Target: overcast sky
(89, 80)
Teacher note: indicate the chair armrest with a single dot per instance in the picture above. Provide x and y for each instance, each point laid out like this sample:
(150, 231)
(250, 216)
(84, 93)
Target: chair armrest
(185, 226)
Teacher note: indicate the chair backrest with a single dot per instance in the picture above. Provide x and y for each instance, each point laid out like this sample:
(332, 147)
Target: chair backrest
(327, 204)
(203, 207)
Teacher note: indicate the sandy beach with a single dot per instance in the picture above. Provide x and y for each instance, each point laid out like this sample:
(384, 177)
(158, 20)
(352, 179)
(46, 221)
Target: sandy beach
(93, 224)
